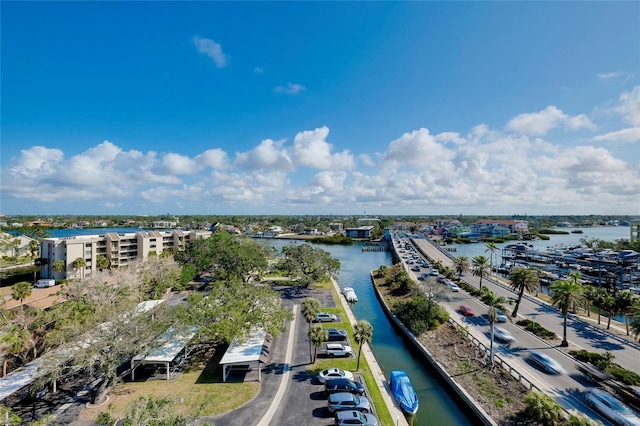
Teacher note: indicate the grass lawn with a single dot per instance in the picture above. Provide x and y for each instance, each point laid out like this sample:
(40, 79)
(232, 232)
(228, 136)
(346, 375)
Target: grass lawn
(199, 390)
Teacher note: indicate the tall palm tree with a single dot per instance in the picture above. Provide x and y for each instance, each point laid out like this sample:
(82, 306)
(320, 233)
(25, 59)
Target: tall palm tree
(565, 294)
(523, 279)
(625, 301)
(317, 335)
(461, 265)
(634, 314)
(21, 291)
(363, 333)
(599, 301)
(609, 305)
(492, 248)
(494, 302)
(310, 306)
(58, 266)
(589, 294)
(79, 265)
(480, 266)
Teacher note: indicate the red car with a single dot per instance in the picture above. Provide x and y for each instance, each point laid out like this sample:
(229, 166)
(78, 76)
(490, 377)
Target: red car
(466, 311)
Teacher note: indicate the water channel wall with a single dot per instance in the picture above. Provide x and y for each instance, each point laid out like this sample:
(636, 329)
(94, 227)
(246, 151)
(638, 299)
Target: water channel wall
(473, 406)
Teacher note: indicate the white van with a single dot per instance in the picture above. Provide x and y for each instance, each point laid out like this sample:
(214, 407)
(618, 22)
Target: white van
(44, 283)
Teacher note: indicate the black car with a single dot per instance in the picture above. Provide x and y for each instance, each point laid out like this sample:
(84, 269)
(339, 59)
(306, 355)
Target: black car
(343, 385)
(336, 334)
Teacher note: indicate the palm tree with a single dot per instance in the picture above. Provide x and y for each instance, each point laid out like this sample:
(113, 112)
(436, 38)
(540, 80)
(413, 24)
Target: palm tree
(494, 302)
(102, 262)
(317, 335)
(523, 279)
(58, 266)
(625, 301)
(609, 305)
(565, 294)
(21, 291)
(634, 314)
(590, 293)
(79, 265)
(492, 248)
(310, 306)
(363, 333)
(461, 265)
(598, 301)
(480, 267)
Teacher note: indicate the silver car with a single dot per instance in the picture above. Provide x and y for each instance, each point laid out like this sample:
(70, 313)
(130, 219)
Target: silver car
(352, 417)
(347, 401)
(610, 407)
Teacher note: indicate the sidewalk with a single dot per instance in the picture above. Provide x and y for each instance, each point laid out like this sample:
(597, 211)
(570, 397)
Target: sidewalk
(381, 381)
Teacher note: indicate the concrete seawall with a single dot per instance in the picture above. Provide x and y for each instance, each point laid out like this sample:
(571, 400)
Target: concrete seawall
(451, 384)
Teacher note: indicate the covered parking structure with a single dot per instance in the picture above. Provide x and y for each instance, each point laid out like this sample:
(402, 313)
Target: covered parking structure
(168, 354)
(248, 355)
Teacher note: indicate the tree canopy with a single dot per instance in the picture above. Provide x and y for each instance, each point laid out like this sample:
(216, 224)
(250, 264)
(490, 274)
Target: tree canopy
(309, 264)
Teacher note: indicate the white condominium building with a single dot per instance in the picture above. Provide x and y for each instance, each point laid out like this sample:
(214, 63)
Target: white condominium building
(120, 249)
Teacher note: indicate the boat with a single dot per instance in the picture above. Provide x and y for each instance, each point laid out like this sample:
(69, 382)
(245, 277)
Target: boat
(403, 392)
(350, 294)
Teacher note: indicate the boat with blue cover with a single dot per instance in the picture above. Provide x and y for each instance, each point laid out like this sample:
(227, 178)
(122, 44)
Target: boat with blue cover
(403, 391)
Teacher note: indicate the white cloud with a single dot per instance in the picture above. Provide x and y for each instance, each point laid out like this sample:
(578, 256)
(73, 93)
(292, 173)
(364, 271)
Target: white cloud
(609, 75)
(539, 123)
(214, 158)
(417, 149)
(629, 106)
(211, 49)
(267, 155)
(631, 134)
(312, 150)
(179, 164)
(290, 89)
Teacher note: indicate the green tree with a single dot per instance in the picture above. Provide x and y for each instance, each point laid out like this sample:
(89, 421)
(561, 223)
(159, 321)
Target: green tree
(363, 333)
(624, 301)
(34, 248)
(565, 294)
(102, 262)
(13, 343)
(317, 335)
(589, 295)
(494, 302)
(8, 417)
(480, 267)
(461, 265)
(492, 248)
(634, 318)
(21, 291)
(79, 264)
(542, 409)
(523, 279)
(156, 411)
(308, 263)
(310, 306)
(58, 266)
(610, 306)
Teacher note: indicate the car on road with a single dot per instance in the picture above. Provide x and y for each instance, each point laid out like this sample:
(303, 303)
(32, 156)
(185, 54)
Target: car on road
(502, 335)
(347, 401)
(336, 334)
(466, 311)
(435, 272)
(612, 408)
(352, 417)
(326, 317)
(453, 286)
(343, 385)
(334, 373)
(547, 363)
(338, 349)
(416, 268)
(500, 316)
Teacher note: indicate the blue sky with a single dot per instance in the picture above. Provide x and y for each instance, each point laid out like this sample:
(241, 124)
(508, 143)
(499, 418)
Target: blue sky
(426, 108)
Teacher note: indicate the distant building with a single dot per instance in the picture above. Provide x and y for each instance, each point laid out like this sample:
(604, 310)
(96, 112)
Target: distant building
(634, 226)
(336, 226)
(15, 246)
(120, 249)
(361, 232)
(500, 228)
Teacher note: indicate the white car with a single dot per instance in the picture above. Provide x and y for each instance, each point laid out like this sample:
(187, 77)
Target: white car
(453, 286)
(338, 349)
(334, 373)
(502, 335)
(325, 317)
(610, 407)
(547, 363)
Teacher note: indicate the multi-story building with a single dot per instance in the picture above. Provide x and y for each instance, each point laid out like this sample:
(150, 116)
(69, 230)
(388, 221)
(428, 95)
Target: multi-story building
(500, 228)
(119, 249)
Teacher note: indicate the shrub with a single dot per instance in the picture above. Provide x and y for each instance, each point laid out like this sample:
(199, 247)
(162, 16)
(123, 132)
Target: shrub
(541, 408)
(418, 316)
(605, 363)
(536, 329)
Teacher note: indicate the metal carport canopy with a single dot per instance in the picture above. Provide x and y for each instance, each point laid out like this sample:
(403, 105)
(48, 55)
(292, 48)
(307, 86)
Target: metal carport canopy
(252, 351)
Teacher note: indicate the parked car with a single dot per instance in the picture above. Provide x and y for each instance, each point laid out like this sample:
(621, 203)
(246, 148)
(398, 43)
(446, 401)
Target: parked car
(466, 311)
(502, 335)
(326, 317)
(337, 349)
(453, 286)
(334, 373)
(612, 408)
(352, 417)
(547, 363)
(343, 385)
(435, 272)
(347, 401)
(336, 334)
